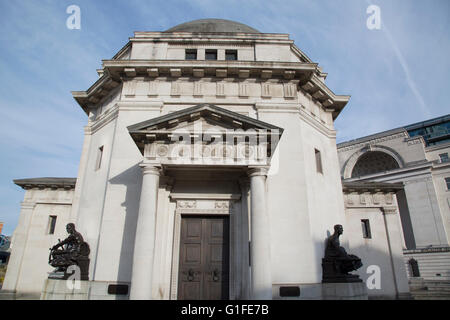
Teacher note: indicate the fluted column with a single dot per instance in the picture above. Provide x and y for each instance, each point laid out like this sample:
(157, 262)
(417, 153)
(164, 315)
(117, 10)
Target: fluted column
(144, 244)
(260, 236)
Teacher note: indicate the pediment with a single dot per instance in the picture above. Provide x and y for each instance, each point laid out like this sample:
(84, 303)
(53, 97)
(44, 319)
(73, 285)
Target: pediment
(210, 113)
(205, 127)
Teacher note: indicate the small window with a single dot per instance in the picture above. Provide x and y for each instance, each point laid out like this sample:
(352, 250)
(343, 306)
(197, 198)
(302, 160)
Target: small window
(211, 54)
(231, 55)
(447, 181)
(443, 157)
(99, 158)
(366, 229)
(51, 224)
(318, 161)
(191, 54)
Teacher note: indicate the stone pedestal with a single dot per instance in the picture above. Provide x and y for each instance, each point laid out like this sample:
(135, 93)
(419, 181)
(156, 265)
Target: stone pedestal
(84, 290)
(344, 291)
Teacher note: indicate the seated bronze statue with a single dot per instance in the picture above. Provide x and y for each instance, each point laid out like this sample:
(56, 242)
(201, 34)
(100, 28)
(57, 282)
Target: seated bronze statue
(337, 263)
(71, 251)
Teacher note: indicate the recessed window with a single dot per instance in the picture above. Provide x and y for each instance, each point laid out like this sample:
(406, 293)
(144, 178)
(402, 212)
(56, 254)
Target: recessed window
(191, 54)
(447, 181)
(443, 157)
(211, 54)
(366, 229)
(231, 55)
(99, 158)
(51, 224)
(318, 161)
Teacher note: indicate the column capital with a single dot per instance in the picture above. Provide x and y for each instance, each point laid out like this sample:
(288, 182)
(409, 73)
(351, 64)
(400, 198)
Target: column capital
(257, 171)
(150, 169)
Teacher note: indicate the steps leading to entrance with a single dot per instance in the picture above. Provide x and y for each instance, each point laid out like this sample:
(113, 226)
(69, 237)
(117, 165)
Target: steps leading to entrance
(429, 289)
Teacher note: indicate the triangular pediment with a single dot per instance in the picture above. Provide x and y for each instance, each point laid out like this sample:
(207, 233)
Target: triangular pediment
(202, 122)
(210, 114)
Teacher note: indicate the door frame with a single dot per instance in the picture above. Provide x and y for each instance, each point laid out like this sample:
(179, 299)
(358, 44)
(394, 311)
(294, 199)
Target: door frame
(204, 205)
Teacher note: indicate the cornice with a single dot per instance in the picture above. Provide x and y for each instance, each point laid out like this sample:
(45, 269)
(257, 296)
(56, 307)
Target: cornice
(371, 140)
(46, 183)
(303, 74)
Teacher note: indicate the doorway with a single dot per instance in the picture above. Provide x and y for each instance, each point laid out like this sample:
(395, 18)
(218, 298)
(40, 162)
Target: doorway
(204, 258)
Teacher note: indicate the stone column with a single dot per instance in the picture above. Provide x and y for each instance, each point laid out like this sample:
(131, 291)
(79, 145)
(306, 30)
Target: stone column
(144, 243)
(261, 283)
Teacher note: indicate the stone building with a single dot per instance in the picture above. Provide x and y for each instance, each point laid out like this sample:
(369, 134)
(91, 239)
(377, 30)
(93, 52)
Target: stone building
(209, 170)
(416, 156)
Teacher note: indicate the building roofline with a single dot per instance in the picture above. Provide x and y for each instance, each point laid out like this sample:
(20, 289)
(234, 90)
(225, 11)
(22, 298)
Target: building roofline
(396, 130)
(44, 183)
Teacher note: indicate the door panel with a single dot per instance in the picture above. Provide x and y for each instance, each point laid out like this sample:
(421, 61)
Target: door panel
(204, 258)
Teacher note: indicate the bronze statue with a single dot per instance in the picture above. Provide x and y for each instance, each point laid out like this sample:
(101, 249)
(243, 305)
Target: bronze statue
(71, 251)
(337, 263)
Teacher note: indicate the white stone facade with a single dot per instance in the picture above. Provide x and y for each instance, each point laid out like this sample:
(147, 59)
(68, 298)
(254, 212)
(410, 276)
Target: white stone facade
(281, 192)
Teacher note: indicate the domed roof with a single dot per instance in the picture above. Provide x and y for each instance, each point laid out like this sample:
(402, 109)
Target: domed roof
(212, 25)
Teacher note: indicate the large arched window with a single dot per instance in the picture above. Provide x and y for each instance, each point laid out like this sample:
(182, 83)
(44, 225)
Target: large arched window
(373, 162)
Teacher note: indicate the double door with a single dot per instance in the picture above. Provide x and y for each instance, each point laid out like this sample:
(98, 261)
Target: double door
(204, 258)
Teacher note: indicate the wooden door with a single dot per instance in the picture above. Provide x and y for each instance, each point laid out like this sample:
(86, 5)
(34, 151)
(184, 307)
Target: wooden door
(204, 258)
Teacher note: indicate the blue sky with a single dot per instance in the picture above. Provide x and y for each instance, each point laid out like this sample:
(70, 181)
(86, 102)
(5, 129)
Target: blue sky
(396, 75)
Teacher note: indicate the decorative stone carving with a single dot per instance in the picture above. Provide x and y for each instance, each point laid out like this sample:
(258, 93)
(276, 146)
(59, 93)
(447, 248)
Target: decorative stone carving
(243, 89)
(129, 88)
(162, 151)
(265, 90)
(222, 205)
(198, 89)
(337, 263)
(220, 89)
(153, 88)
(290, 90)
(362, 199)
(187, 204)
(175, 89)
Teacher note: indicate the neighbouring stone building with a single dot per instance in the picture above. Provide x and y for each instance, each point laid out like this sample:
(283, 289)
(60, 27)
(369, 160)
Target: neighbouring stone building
(417, 156)
(210, 170)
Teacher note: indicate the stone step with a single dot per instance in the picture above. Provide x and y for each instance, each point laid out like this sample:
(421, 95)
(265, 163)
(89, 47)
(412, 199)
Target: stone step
(438, 288)
(6, 295)
(427, 295)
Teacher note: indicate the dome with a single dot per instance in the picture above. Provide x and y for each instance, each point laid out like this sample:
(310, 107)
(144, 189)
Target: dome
(212, 25)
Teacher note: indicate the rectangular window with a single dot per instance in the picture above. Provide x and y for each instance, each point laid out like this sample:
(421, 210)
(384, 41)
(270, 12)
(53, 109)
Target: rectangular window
(447, 181)
(231, 55)
(191, 54)
(51, 224)
(366, 229)
(318, 161)
(443, 157)
(99, 158)
(211, 54)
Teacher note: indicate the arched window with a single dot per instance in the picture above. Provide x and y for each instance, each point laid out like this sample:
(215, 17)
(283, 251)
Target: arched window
(373, 162)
